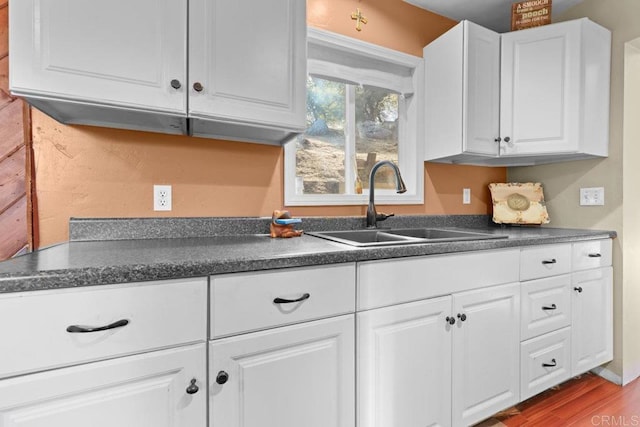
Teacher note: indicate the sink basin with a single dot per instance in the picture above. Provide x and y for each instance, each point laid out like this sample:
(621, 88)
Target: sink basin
(366, 237)
(402, 236)
(437, 234)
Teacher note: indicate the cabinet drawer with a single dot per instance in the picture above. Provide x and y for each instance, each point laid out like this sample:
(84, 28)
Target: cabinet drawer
(545, 361)
(592, 254)
(159, 314)
(394, 281)
(546, 305)
(247, 301)
(545, 261)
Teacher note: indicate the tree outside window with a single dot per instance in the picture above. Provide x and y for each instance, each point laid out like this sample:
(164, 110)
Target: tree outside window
(349, 129)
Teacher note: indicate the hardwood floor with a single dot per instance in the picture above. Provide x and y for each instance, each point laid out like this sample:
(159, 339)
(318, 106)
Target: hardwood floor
(587, 400)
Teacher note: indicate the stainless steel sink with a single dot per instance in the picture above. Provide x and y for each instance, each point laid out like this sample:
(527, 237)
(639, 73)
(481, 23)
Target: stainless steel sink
(438, 234)
(365, 237)
(402, 236)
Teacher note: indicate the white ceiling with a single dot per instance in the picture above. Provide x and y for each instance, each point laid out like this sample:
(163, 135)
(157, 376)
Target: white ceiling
(493, 14)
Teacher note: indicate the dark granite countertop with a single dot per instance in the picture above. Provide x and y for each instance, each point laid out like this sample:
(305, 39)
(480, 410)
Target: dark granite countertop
(155, 256)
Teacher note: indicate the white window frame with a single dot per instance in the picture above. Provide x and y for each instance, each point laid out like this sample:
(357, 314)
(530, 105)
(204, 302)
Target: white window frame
(381, 67)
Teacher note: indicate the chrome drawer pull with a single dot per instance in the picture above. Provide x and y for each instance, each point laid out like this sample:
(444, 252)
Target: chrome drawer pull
(82, 329)
(451, 320)
(549, 261)
(550, 365)
(594, 255)
(289, 301)
(549, 307)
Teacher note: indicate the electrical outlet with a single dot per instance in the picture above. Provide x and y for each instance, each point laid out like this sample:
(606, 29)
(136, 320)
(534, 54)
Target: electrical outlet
(161, 197)
(592, 196)
(466, 196)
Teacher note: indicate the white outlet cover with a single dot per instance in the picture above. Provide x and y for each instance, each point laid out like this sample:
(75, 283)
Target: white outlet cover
(162, 198)
(593, 196)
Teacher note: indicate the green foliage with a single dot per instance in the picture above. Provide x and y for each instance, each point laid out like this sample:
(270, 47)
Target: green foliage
(325, 100)
(375, 105)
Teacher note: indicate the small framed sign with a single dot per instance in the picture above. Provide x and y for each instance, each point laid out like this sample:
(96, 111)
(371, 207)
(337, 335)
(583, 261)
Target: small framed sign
(530, 13)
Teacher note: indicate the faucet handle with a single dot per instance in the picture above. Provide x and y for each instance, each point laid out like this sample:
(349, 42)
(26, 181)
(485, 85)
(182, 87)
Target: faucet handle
(381, 216)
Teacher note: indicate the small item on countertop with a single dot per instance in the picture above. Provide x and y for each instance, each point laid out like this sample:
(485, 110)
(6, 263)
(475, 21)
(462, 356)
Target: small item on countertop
(518, 203)
(282, 225)
(287, 221)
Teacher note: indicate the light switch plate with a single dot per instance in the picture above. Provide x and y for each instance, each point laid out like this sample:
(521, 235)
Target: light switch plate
(466, 196)
(593, 196)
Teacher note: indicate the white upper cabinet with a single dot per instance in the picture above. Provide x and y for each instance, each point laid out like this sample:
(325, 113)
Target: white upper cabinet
(93, 52)
(123, 64)
(555, 90)
(462, 108)
(553, 94)
(90, 63)
(249, 61)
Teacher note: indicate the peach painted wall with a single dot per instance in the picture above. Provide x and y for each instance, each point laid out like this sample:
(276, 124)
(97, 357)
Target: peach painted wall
(84, 171)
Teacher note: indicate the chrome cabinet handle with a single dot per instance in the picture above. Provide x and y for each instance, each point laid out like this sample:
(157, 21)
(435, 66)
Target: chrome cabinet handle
(550, 365)
(507, 139)
(74, 329)
(578, 289)
(193, 388)
(289, 301)
(197, 86)
(462, 317)
(549, 307)
(549, 261)
(175, 83)
(451, 320)
(498, 139)
(594, 255)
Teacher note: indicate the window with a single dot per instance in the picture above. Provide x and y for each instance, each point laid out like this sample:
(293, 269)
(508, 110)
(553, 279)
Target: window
(360, 110)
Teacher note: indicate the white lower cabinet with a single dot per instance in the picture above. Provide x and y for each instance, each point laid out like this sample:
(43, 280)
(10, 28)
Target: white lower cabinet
(486, 346)
(592, 319)
(452, 360)
(404, 365)
(155, 389)
(544, 362)
(300, 375)
(444, 340)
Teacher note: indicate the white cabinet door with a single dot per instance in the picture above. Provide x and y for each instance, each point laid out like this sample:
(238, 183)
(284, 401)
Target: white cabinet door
(462, 86)
(553, 94)
(486, 352)
(300, 375)
(592, 319)
(247, 61)
(404, 365)
(147, 390)
(118, 53)
(540, 91)
(482, 106)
